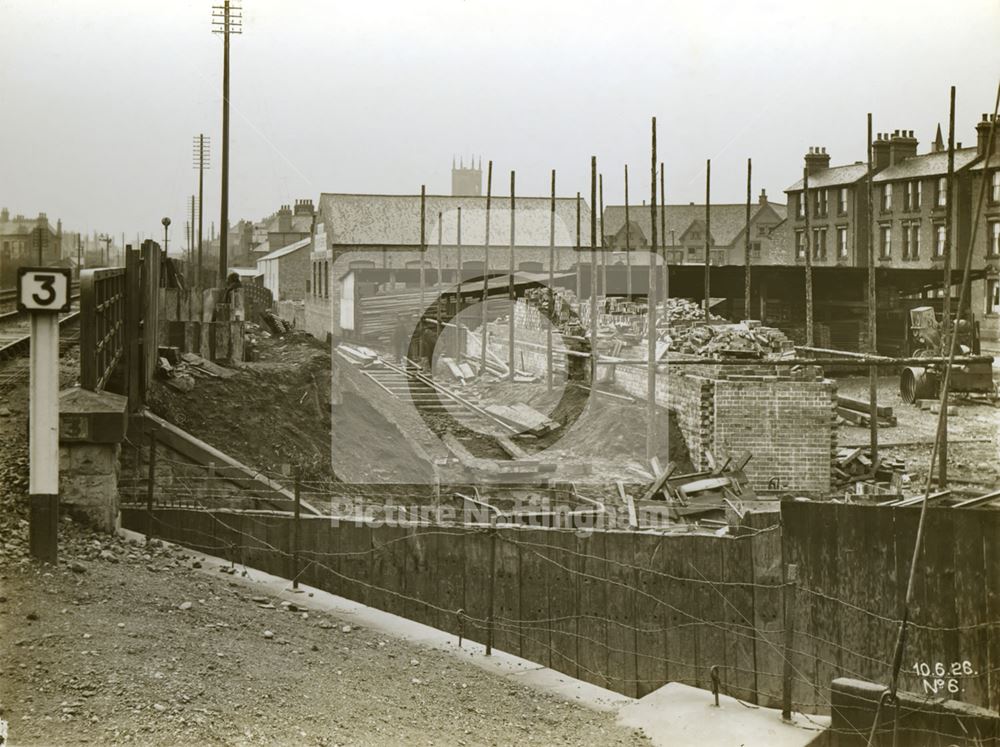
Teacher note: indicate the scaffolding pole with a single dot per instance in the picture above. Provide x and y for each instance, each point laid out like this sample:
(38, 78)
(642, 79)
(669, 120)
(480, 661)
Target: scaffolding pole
(486, 268)
(651, 309)
(510, 285)
(552, 293)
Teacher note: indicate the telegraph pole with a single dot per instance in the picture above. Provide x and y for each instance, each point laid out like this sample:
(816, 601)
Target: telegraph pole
(106, 240)
(226, 19)
(201, 153)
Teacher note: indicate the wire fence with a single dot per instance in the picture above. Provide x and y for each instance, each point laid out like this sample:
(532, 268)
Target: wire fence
(627, 611)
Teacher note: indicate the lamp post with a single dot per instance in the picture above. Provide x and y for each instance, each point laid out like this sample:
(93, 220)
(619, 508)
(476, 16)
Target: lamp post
(166, 238)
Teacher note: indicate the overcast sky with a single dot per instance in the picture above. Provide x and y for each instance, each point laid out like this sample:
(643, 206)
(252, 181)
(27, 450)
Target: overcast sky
(100, 99)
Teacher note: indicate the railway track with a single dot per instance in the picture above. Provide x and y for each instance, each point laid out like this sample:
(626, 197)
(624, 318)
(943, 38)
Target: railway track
(15, 344)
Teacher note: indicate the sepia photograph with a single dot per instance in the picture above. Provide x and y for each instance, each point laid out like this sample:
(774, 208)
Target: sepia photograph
(460, 373)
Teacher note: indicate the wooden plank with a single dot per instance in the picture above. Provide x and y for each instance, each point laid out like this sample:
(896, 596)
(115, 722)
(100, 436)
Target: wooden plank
(592, 649)
(563, 602)
(419, 580)
(651, 614)
(388, 566)
(737, 567)
(767, 605)
(864, 406)
(506, 593)
(476, 554)
(972, 533)
(447, 565)
(935, 598)
(355, 545)
(619, 549)
(534, 604)
(705, 566)
(312, 536)
(991, 549)
(825, 572)
(797, 532)
(682, 621)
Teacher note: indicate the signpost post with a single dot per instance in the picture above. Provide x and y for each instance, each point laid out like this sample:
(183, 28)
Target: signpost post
(44, 293)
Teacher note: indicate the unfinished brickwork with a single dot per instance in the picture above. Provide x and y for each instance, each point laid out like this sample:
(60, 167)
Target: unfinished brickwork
(787, 421)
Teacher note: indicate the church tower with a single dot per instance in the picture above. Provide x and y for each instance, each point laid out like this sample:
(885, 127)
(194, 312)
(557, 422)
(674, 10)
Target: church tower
(467, 181)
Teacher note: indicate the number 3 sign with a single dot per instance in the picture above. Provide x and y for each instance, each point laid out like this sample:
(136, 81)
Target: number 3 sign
(43, 289)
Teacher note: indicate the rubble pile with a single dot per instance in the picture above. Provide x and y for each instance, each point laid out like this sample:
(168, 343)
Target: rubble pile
(728, 340)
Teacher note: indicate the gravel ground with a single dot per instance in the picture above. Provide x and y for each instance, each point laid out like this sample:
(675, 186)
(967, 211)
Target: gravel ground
(120, 645)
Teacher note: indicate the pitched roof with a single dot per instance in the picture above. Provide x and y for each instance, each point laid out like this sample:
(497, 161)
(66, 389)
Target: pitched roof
(20, 227)
(727, 220)
(293, 247)
(395, 219)
(928, 164)
(833, 177)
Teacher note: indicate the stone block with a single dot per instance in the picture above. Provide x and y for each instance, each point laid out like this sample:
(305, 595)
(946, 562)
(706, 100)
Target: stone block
(90, 499)
(94, 417)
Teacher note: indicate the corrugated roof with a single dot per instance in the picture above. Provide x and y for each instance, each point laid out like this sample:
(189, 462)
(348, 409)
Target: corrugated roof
(395, 219)
(293, 247)
(928, 164)
(728, 220)
(834, 177)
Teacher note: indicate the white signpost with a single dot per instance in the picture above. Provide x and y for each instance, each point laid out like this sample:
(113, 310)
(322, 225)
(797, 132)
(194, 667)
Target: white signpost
(44, 292)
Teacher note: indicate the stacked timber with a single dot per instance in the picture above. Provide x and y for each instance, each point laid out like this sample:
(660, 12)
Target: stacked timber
(855, 465)
(858, 412)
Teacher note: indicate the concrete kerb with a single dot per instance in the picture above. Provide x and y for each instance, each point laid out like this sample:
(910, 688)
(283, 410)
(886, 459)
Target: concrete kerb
(500, 663)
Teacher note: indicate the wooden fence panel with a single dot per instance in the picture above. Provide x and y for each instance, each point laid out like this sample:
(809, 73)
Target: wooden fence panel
(476, 556)
(740, 634)
(972, 534)
(680, 606)
(825, 575)
(651, 614)
(354, 540)
(447, 574)
(767, 606)
(564, 605)
(592, 647)
(705, 568)
(620, 552)
(388, 569)
(534, 603)
(507, 592)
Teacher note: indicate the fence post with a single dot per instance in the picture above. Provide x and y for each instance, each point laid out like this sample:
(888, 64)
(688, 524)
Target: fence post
(491, 583)
(295, 531)
(791, 573)
(150, 485)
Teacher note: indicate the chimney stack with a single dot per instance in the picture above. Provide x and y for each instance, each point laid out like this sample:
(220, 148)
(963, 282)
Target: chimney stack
(304, 207)
(880, 152)
(4, 215)
(983, 135)
(285, 219)
(902, 145)
(763, 197)
(817, 160)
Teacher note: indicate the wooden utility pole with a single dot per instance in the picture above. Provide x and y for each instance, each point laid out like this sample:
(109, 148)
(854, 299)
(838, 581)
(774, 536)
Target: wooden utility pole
(663, 242)
(809, 270)
(651, 311)
(708, 236)
(552, 293)
(486, 269)
(458, 285)
(628, 243)
(511, 295)
(603, 255)
(593, 271)
(579, 262)
(201, 163)
(949, 230)
(746, 250)
(872, 324)
(440, 277)
(227, 19)
(423, 246)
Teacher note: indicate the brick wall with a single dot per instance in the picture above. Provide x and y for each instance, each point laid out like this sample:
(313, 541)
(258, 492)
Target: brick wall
(787, 422)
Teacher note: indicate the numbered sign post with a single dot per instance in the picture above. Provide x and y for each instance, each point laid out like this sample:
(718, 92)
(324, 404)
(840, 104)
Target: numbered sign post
(44, 293)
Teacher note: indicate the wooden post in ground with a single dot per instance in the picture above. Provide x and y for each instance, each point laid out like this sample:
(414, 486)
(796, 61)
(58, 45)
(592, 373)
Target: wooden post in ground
(486, 268)
(746, 251)
(552, 294)
(150, 487)
(440, 276)
(791, 573)
(708, 236)
(808, 245)
(458, 287)
(423, 245)
(628, 243)
(604, 258)
(872, 324)
(511, 295)
(593, 271)
(579, 262)
(491, 584)
(949, 230)
(663, 242)
(297, 518)
(651, 311)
